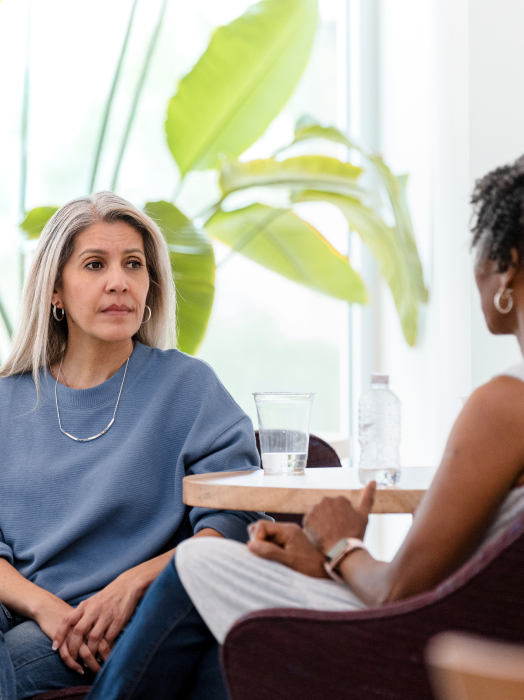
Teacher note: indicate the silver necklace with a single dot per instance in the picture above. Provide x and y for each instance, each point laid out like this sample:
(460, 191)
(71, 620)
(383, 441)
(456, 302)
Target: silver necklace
(112, 419)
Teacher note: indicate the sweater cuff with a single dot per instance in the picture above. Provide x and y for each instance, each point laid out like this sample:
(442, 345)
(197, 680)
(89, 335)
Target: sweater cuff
(230, 526)
(7, 553)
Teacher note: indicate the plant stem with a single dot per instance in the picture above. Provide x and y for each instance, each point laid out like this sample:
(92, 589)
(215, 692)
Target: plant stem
(177, 190)
(23, 158)
(25, 120)
(138, 91)
(208, 212)
(5, 318)
(111, 96)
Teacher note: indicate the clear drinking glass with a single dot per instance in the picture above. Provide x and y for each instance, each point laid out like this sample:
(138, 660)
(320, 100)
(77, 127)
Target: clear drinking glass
(283, 424)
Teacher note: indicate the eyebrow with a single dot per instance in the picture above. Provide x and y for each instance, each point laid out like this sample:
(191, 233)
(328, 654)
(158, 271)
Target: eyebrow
(99, 251)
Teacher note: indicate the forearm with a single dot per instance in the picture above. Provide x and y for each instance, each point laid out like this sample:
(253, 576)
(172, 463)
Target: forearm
(144, 574)
(20, 595)
(368, 578)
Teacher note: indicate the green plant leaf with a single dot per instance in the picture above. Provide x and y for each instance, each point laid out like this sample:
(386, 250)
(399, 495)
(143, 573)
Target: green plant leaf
(36, 219)
(308, 128)
(383, 242)
(311, 172)
(279, 240)
(193, 265)
(394, 186)
(240, 83)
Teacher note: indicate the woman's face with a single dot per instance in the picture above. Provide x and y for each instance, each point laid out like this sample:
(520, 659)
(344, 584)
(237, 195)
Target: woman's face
(489, 280)
(105, 283)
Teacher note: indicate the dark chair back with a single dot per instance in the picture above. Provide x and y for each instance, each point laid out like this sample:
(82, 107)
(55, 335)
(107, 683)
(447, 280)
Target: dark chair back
(320, 454)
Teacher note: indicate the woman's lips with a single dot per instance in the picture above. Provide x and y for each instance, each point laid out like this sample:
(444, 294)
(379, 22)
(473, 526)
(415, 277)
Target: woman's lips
(115, 310)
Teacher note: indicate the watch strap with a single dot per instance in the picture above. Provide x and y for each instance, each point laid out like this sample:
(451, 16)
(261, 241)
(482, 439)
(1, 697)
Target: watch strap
(339, 552)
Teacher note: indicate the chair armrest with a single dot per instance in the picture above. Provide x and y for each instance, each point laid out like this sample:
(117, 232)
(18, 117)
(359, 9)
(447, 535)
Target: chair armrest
(315, 655)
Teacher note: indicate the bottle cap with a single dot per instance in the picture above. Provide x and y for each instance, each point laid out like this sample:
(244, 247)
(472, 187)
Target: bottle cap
(377, 378)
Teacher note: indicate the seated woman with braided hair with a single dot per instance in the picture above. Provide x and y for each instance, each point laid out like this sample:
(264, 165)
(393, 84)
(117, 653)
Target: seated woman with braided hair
(98, 426)
(479, 486)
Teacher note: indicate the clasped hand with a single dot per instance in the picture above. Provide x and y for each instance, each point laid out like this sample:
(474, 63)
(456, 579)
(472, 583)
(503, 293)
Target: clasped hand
(90, 630)
(326, 523)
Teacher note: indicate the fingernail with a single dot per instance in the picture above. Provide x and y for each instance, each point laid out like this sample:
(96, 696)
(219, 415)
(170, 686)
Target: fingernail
(81, 671)
(55, 646)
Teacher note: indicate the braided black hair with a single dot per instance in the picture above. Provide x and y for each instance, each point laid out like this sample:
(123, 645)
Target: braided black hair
(498, 201)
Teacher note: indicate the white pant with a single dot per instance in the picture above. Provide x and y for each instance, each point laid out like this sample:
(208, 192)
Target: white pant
(226, 581)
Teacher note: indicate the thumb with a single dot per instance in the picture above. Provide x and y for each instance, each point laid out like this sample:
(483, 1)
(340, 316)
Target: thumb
(266, 550)
(67, 622)
(367, 499)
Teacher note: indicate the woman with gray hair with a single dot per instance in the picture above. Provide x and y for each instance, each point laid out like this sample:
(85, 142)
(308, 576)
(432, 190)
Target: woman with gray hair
(99, 423)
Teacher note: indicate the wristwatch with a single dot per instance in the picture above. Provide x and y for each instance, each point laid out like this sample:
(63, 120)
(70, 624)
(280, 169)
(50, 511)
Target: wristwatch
(339, 552)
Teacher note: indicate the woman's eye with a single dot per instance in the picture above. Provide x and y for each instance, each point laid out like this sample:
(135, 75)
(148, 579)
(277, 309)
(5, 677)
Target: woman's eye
(94, 265)
(134, 264)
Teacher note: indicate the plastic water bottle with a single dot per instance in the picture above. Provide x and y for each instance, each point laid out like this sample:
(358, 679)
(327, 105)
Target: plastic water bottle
(379, 434)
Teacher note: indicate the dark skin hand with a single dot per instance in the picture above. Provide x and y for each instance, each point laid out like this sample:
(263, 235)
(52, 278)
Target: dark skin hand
(286, 544)
(327, 523)
(334, 518)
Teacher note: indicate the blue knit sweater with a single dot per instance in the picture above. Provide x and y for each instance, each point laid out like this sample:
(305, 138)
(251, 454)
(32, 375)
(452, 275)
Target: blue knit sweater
(73, 516)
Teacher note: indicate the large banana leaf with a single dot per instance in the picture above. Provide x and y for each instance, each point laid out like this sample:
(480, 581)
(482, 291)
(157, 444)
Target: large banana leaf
(304, 172)
(36, 219)
(240, 83)
(282, 242)
(395, 187)
(382, 241)
(193, 265)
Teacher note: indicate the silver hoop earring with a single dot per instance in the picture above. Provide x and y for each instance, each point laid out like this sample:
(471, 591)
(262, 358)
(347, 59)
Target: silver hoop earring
(55, 314)
(498, 297)
(149, 317)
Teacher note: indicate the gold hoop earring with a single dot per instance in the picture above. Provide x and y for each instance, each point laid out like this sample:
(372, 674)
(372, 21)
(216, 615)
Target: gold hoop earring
(149, 317)
(498, 296)
(56, 315)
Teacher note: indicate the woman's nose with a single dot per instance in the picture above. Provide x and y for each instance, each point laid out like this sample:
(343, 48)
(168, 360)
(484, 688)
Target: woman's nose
(116, 280)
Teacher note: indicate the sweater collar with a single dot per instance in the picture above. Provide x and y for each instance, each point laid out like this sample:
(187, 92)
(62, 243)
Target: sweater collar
(102, 393)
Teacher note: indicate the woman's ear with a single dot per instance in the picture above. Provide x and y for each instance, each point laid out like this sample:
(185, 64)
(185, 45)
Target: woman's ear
(508, 275)
(56, 300)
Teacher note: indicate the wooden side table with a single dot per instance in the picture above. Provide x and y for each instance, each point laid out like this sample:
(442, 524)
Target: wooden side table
(253, 490)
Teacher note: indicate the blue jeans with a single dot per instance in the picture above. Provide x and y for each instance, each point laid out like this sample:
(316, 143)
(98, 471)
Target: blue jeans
(28, 665)
(166, 652)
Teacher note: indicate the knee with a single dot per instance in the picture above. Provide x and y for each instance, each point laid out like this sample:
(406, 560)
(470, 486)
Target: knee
(199, 556)
(191, 553)
(26, 642)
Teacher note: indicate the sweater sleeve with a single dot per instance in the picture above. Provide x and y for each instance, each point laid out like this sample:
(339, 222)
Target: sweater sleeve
(5, 550)
(233, 450)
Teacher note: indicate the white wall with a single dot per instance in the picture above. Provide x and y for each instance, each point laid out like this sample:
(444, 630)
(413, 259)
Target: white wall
(452, 108)
(496, 136)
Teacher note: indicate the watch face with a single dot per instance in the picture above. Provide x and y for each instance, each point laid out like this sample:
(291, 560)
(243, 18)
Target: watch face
(337, 549)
